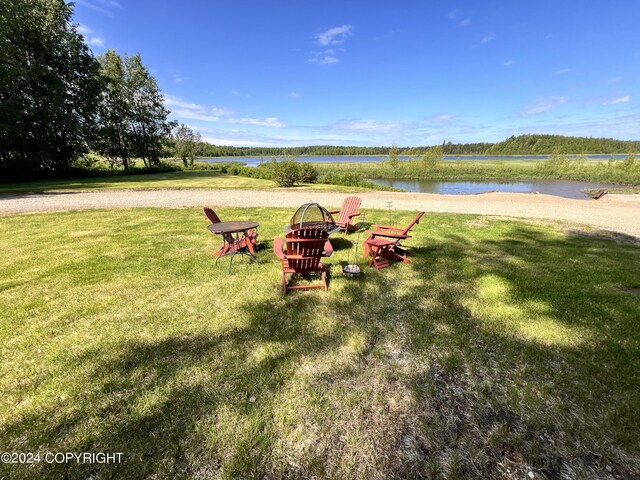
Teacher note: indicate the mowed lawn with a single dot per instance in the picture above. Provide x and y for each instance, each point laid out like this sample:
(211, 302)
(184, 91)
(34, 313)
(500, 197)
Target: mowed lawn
(503, 350)
(182, 179)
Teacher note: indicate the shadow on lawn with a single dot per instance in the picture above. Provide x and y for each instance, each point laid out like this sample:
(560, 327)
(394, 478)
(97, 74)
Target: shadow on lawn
(496, 401)
(437, 388)
(16, 190)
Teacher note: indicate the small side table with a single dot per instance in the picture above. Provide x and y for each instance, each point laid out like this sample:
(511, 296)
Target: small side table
(235, 238)
(379, 250)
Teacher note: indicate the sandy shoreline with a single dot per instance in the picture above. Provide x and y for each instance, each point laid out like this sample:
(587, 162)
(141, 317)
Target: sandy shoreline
(616, 213)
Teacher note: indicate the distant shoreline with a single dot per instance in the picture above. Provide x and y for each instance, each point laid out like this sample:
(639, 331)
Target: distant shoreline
(471, 156)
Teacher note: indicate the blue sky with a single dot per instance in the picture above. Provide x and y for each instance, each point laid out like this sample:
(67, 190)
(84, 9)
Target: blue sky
(288, 73)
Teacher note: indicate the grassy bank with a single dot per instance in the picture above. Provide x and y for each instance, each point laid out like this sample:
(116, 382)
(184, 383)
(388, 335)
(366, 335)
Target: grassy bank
(558, 168)
(178, 179)
(348, 176)
(503, 348)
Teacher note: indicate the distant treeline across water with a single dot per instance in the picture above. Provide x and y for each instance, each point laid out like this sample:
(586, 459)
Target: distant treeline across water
(254, 161)
(528, 145)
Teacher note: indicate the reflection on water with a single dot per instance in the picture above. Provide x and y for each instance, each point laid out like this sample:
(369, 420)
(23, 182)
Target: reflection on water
(561, 188)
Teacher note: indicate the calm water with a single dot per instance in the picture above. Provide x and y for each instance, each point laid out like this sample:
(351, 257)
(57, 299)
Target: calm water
(255, 161)
(561, 188)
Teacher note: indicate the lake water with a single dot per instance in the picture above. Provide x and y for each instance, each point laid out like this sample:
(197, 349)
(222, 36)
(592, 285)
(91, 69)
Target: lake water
(255, 161)
(561, 188)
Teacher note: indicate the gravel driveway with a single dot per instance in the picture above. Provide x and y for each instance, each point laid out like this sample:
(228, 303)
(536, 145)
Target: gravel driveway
(616, 213)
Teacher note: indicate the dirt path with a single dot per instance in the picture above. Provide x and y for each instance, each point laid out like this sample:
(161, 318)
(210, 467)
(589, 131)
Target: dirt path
(617, 213)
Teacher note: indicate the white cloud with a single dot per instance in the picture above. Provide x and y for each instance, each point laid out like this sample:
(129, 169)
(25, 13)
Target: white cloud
(334, 36)
(178, 79)
(326, 60)
(443, 118)
(294, 95)
(455, 14)
(613, 80)
(175, 102)
(487, 38)
(171, 101)
(106, 7)
(367, 125)
(93, 39)
(329, 38)
(617, 101)
(83, 30)
(510, 63)
(563, 71)
(542, 105)
(96, 41)
(193, 111)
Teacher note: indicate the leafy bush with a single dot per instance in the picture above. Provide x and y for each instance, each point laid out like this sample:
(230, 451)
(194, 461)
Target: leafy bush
(630, 163)
(87, 161)
(286, 173)
(307, 173)
(345, 179)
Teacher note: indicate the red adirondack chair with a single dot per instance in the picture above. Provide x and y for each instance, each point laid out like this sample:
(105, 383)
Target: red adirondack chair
(249, 241)
(349, 210)
(382, 234)
(301, 252)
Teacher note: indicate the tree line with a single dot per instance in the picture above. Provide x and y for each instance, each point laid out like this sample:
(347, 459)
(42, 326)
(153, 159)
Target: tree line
(514, 145)
(560, 144)
(203, 149)
(58, 101)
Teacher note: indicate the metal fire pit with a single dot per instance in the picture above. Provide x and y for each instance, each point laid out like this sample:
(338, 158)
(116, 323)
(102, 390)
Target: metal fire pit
(312, 215)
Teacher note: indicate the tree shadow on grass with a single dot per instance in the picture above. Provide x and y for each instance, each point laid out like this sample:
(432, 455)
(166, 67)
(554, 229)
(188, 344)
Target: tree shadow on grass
(479, 359)
(547, 382)
(150, 399)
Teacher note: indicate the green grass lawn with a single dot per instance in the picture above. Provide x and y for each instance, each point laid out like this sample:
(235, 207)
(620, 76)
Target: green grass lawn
(183, 179)
(503, 348)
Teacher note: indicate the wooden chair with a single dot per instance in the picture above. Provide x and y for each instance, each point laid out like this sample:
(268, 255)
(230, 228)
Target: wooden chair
(349, 210)
(388, 234)
(301, 252)
(249, 241)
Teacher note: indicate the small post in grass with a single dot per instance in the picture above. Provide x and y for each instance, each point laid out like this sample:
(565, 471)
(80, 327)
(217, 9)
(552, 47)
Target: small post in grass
(389, 207)
(352, 269)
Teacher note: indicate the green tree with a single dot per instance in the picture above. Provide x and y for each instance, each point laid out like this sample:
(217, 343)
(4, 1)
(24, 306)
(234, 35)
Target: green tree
(132, 119)
(149, 126)
(48, 88)
(630, 163)
(393, 157)
(185, 141)
(432, 157)
(112, 139)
